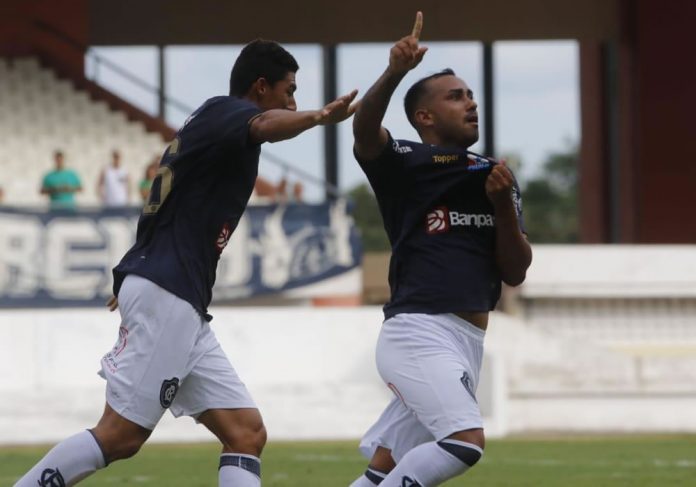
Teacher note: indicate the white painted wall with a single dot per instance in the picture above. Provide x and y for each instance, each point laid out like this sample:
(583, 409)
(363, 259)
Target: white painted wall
(312, 373)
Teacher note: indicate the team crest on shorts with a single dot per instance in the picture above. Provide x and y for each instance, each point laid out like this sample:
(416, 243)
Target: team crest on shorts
(409, 482)
(51, 478)
(466, 382)
(168, 391)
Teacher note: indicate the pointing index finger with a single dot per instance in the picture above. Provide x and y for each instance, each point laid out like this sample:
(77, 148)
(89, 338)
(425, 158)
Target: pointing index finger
(417, 26)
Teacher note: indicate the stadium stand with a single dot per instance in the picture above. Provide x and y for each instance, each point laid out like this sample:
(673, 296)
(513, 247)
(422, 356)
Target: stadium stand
(636, 298)
(46, 113)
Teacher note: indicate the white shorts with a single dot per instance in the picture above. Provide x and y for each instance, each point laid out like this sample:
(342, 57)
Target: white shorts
(432, 364)
(166, 357)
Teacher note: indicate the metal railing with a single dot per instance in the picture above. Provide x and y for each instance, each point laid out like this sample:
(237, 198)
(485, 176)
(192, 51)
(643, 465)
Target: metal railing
(101, 61)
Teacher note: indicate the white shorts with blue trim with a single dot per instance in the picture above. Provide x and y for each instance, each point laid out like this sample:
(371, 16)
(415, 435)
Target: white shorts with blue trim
(166, 357)
(432, 364)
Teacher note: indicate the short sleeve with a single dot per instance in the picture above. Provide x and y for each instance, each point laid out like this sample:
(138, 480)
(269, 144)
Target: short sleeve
(235, 117)
(517, 201)
(75, 180)
(391, 157)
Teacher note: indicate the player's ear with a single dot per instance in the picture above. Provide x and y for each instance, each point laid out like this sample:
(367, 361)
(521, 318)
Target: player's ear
(261, 86)
(423, 118)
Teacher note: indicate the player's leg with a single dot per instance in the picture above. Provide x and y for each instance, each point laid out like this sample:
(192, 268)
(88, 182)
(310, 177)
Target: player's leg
(380, 465)
(395, 432)
(432, 362)
(243, 436)
(216, 397)
(70, 461)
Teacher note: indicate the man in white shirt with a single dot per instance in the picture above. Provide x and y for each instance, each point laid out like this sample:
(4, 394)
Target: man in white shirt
(114, 183)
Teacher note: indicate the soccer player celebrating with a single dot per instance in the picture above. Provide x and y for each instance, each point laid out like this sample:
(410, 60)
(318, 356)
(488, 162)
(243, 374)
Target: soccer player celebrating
(454, 222)
(167, 356)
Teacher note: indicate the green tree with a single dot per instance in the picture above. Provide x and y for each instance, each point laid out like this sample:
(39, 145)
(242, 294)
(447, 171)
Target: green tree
(368, 219)
(550, 200)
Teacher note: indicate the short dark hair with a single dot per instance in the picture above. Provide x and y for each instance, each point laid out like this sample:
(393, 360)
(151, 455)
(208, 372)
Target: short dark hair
(260, 59)
(416, 92)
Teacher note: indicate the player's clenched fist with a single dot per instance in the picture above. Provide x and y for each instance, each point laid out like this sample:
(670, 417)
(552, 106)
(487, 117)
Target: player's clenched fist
(499, 185)
(406, 54)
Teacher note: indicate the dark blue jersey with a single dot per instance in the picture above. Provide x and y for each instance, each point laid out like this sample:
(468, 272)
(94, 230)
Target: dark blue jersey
(441, 227)
(204, 181)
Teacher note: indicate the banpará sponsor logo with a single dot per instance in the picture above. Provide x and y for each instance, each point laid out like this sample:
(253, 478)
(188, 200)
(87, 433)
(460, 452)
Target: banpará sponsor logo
(441, 219)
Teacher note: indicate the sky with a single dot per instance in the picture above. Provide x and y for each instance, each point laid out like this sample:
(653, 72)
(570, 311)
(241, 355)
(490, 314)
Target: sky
(536, 88)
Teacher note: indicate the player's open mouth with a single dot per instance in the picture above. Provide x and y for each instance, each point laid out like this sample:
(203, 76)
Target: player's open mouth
(472, 119)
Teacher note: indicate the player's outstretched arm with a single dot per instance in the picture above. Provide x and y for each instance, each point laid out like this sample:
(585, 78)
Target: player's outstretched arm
(276, 125)
(406, 54)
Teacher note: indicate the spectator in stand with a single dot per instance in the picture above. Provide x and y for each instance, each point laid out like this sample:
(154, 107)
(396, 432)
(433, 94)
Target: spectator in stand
(61, 184)
(114, 183)
(297, 192)
(149, 176)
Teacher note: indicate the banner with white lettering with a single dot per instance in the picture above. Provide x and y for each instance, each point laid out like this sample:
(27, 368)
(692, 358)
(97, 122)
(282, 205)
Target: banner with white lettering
(64, 258)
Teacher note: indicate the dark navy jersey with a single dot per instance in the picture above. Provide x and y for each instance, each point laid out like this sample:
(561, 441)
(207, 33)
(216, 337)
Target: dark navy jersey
(204, 181)
(441, 226)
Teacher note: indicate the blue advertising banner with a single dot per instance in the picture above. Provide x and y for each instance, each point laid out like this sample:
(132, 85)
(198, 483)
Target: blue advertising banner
(65, 258)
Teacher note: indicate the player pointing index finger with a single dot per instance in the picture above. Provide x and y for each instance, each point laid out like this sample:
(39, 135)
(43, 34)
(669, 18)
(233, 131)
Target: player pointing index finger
(457, 232)
(417, 26)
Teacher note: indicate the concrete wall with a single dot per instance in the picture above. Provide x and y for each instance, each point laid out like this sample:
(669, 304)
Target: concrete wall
(312, 373)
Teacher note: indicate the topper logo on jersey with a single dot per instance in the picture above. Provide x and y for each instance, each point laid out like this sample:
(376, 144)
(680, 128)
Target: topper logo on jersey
(440, 220)
(445, 158)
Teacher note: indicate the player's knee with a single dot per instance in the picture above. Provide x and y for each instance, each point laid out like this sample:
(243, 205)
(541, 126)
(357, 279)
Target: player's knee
(248, 437)
(119, 447)
(468, 453)
(120, 444)
(129, 448)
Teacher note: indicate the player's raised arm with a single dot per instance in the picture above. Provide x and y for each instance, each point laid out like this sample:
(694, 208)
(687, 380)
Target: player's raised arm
(406, 54)
(279, 124)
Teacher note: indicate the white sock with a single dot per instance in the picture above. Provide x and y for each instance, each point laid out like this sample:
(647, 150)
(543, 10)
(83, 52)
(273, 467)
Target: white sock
(239, 470)
(69, 461)
(370, 478)
(429, 464)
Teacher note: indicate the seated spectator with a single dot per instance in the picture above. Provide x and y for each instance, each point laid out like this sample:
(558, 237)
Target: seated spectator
(149, 176)
(61, 184)
(114, 183)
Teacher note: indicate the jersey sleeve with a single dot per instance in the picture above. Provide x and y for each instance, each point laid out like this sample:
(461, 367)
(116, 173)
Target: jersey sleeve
(517, 201)
(235, 118)
(386, 167)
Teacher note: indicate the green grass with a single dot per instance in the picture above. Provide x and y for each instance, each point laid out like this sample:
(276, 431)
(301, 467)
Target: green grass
(635, 461)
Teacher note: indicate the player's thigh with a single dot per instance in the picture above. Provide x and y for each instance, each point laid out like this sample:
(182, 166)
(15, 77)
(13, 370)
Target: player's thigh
(429, 366)
(212, 382)
(151, 357)
(397, 429)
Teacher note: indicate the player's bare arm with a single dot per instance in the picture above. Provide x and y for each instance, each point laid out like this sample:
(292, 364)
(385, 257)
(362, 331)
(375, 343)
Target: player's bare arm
(513, 252)
(406, 54)
(279, 124)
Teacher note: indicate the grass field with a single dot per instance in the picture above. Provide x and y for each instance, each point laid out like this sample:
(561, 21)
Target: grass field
(655, 461)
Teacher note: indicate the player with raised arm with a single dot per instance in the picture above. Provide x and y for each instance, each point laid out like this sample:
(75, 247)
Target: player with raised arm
(454, 221)
(166, 356)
